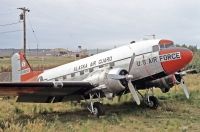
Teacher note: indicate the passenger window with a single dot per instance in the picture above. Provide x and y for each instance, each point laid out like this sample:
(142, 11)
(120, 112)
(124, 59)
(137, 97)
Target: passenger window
(112, 64)
(81, 72)
(72, 74)
(155, 48)
(100, 66)
(64, 77)
(91, 70)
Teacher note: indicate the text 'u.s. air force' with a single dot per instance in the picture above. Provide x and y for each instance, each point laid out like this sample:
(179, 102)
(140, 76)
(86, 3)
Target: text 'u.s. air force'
(160, 58)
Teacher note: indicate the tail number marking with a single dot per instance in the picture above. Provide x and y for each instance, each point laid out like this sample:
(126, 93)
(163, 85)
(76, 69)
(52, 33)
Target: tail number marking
(25, 71)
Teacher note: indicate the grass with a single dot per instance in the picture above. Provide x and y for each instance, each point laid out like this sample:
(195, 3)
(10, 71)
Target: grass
(38, 63)
(46, 62)
(175, 113)
(5, 64)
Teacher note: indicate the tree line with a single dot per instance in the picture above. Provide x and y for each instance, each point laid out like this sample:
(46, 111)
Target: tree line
(195, 64)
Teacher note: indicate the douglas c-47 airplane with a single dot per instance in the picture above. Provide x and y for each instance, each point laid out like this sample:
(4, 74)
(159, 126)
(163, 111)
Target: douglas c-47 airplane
(130, 68)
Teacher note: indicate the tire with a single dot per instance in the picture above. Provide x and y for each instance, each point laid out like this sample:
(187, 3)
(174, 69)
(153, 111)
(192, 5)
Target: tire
(98, 109)
(153, 102)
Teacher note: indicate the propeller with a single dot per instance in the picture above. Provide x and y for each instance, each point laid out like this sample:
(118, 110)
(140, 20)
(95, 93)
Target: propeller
(128, 77)
(133, 92)
(182, 83)
(185, 88)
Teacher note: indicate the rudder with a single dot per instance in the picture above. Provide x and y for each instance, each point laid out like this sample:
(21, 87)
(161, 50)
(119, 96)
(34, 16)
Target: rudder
(21, 69)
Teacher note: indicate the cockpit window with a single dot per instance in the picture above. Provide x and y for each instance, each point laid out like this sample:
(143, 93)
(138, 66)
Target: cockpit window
(155, 48)
(166, 44)
(169, 45)
(162, 46)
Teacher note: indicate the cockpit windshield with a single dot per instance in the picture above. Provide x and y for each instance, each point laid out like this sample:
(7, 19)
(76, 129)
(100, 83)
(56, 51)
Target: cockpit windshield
(165, 44)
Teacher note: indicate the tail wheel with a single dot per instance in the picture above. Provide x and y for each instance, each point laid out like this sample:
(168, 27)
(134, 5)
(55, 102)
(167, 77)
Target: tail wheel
(152, 102)
(98, 109)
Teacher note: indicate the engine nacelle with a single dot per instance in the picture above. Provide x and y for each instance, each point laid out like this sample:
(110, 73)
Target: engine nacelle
(167, 82)
(117, 85)
(100, 78)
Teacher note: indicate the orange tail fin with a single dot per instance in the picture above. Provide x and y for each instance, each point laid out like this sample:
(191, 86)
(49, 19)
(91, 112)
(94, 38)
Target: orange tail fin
(21, 69)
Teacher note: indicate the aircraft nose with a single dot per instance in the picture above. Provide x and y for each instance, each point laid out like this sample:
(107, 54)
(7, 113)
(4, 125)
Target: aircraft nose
(173, 60)
(187, 56)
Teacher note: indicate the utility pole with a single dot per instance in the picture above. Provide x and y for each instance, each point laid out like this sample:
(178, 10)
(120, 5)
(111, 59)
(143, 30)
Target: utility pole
(154, 36)
(23, 18)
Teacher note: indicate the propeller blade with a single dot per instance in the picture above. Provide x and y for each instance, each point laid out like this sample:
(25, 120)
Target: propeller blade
(131, 63)
(116, 77)
(183, 73)
(185, 89)
(133, 92)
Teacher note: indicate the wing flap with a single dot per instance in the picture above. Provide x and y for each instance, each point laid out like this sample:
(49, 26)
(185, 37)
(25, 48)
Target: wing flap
(33, 98)
(39, 98)
(44, 91)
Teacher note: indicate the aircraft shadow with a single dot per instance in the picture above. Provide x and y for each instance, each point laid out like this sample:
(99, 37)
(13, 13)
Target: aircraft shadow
(83, 114)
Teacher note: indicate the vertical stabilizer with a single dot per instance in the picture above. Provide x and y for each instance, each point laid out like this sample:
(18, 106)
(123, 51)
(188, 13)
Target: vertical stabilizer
(21, 69)
(16, 68)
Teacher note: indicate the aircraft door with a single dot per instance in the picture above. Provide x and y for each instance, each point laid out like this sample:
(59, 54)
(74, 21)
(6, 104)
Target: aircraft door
(147, 64)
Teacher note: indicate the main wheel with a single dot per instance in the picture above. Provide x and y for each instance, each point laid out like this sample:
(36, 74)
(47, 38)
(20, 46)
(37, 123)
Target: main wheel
(153, 102)
(98, 109)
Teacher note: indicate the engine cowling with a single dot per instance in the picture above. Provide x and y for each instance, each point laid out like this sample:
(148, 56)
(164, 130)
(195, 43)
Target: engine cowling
(167, 82)
(100, 78)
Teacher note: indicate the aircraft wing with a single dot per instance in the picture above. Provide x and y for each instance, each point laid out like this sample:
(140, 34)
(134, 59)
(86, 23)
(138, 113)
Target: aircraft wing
(44, 92)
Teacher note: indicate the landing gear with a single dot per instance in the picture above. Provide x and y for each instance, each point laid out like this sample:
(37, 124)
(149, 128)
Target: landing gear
(150, 100)
(96, 108)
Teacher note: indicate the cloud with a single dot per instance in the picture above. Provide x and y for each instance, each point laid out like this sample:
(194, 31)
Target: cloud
(103, 24)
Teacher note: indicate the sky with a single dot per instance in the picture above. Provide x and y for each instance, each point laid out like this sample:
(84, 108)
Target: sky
(99, 23)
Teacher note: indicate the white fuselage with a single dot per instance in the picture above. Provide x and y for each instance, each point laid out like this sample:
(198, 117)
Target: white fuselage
(116, 58)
